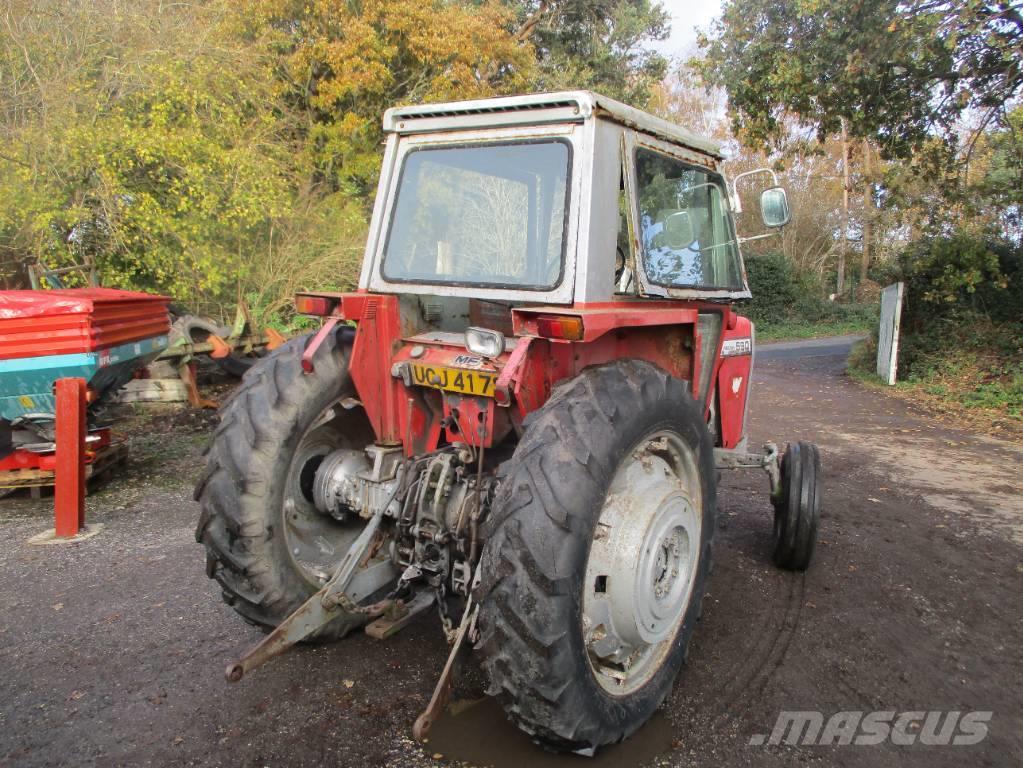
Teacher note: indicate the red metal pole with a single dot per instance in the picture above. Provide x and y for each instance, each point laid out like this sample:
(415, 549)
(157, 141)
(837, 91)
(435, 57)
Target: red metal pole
(69, 480)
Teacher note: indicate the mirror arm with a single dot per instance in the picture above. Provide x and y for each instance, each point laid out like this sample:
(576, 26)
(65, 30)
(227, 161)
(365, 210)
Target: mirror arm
(761, 237)
(736, 202)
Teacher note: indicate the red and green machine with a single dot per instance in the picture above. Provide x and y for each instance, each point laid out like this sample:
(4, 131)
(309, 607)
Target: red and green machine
(101, 335)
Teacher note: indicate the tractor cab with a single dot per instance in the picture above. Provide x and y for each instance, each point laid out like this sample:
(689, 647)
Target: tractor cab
(565, 198)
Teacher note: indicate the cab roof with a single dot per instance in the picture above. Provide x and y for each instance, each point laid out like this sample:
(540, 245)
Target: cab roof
(562, 106)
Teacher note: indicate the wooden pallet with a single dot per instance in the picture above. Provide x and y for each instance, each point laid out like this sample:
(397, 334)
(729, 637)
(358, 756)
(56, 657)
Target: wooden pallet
(105, 459)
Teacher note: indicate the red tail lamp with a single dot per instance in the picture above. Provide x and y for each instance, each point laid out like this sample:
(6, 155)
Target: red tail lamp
(321, 306)
(565, 327)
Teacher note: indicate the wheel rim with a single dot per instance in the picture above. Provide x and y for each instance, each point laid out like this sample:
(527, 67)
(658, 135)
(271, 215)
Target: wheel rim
(316, 541)
(642, 564)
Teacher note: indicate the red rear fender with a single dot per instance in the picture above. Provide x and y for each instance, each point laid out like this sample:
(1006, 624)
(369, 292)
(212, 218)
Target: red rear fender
(733, 381)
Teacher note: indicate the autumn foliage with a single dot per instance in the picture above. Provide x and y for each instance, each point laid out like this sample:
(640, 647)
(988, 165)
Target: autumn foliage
(214, 149)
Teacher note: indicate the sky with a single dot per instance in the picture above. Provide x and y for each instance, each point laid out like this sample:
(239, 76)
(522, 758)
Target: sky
(686, 15)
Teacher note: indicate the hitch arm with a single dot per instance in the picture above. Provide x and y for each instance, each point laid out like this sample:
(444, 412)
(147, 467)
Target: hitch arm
(442, 691)
(326, 605)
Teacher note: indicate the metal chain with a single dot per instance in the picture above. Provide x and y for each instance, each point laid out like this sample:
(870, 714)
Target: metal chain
(445, 617)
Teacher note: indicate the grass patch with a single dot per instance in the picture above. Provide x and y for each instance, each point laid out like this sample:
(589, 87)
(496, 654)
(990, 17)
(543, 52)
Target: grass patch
(793, 329)
(974, 385)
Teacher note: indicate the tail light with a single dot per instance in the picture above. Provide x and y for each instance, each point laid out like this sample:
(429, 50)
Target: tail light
(321, 306)
(566, 327)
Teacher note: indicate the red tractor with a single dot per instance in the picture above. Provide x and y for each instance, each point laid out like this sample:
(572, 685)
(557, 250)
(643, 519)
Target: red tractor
(518, 417)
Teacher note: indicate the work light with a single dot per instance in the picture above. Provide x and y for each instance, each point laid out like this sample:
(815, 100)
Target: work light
(484, 342)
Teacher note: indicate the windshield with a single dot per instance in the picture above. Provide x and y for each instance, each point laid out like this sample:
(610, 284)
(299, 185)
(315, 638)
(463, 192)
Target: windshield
(687, 234)
(486, 215)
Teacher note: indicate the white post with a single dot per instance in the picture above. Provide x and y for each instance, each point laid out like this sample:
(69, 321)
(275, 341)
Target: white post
(888, 333)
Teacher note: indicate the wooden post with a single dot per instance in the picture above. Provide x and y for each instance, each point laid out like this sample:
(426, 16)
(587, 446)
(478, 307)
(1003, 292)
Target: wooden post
(69, 474)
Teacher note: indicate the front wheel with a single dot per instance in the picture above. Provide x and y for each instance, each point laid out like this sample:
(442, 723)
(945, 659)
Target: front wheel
(797, 509)
(598, 547)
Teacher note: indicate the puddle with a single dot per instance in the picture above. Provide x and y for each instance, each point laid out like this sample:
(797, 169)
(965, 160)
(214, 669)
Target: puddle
(479, 733)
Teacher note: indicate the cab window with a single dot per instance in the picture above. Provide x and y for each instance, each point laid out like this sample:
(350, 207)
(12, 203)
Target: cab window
(685, 229)
(488, 214)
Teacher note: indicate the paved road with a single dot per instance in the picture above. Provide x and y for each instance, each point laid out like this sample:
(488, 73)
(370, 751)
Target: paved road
(832, 346)
(112, 651)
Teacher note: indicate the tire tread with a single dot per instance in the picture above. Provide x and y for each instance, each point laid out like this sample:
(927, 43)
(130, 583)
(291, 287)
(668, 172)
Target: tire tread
(528, 583)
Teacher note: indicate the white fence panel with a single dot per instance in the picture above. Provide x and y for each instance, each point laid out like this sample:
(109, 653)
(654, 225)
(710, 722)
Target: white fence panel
(888, 334)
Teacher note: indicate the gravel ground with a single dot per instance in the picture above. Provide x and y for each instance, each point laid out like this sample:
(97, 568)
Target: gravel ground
(112, 650)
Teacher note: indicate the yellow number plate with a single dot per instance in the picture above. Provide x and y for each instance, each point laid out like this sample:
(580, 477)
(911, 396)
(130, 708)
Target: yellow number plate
(480, 383)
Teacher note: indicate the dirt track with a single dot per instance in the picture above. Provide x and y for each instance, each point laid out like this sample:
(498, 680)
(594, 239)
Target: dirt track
(112, 650)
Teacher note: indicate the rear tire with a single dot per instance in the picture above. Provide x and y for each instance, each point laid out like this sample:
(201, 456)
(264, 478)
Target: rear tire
(193, 329)
(266, 544)
(536, 641)
(797, 511)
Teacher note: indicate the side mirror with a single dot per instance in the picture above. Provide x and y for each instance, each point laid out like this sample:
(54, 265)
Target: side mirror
(774, 207)
(678, 230)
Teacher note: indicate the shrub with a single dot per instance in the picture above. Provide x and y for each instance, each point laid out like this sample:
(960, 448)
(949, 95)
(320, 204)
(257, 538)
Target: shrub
(783, 296)
(961, 273)
(774, 286)
(964, 294)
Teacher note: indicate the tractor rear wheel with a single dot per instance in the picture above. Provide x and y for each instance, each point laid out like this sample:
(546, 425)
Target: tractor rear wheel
(598, 547)
(267, 544)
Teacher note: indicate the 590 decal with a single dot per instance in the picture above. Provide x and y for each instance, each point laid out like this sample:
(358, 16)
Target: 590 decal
(737, 347)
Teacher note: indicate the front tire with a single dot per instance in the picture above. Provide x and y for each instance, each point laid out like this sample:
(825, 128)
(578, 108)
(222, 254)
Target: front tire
(797, 510)
(608, 494)
(267, 544)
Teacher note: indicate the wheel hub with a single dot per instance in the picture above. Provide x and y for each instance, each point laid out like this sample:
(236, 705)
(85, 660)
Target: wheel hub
(317, 540)
(640, 571)
(649, 562)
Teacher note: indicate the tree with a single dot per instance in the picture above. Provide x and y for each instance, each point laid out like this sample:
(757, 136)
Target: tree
(896, 72)
(212, 148)
(340, 65)
(683, 98)
(597, 44)
(902, 77)
(1000, 186)
(138, 138)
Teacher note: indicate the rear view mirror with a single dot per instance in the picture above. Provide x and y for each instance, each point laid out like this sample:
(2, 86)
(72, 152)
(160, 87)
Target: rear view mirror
(678, 230)
(774, 207)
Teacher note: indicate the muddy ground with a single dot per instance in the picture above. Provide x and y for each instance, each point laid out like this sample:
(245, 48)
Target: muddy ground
(112, 650)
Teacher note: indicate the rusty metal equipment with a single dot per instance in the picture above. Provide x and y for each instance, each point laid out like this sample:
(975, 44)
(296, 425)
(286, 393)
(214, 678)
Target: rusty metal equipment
(518, 417)
(233, 348)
